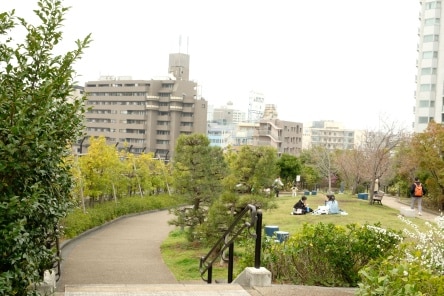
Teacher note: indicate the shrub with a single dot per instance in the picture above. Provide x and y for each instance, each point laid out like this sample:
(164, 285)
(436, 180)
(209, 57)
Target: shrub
(326, 254)
(417, 268)
(77, 221)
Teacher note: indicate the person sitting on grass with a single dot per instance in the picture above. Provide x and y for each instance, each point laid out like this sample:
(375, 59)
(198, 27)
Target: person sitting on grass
(332, 204)
(301, 207)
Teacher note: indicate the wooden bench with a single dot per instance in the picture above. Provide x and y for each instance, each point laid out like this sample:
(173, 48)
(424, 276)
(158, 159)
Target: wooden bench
(377, 198)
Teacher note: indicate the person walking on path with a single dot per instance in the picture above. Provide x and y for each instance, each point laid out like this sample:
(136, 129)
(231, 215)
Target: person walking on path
(417, 191)
(277, 185)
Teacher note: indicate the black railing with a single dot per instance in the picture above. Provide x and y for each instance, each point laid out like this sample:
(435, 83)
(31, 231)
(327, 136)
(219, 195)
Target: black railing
(227, 241)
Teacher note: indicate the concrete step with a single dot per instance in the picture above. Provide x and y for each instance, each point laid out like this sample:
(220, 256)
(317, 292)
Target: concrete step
(156, 290)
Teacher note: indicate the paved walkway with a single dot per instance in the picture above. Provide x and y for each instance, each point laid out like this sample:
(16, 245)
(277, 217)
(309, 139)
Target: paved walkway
(127, 252)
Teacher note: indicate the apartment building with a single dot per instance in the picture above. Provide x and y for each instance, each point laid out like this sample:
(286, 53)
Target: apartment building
(146, 115)
(285, 136)
(429, 94)
(330, 134)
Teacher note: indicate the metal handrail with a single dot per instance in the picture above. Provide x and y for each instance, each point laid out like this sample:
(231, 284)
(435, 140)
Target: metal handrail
(206, 264)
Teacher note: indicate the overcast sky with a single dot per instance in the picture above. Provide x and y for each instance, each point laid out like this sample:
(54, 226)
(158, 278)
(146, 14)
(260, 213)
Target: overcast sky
(351, 61)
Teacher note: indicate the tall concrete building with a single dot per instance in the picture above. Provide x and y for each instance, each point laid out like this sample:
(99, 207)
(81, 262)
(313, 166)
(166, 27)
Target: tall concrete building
(429, 93)
(285, 136)
(146, 115)
(331, 135)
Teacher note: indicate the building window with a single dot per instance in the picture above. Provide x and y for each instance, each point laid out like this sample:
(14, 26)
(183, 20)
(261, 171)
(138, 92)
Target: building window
(423, 104)
(427, 87)
(423, 119)
(431, 21)
(433, 5)
(430, 38)
(429, 54)
(428, 71)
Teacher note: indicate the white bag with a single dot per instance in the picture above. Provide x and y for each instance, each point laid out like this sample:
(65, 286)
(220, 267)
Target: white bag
(321, 210)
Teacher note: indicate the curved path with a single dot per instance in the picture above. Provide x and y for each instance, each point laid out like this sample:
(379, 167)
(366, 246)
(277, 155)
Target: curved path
(126, 253)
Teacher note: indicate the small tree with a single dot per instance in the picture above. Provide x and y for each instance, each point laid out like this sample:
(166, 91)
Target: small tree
(38, 124)
(378, 148)
(198, 171)
(289, 167)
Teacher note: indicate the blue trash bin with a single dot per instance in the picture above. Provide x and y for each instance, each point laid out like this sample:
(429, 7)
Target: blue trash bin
(306, 192)
(270, 230)
(363, 196)
(313, 192)
(282, 236)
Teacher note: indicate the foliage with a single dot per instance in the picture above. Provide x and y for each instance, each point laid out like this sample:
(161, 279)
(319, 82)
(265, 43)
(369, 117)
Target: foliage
(100, 169)
(326, 254)
(77, 221)
(253, 167)
(322, 160)
(416, 268)
(349, 169)
(38, 122)
(289, 167)
(198, 171)
(310, 176)
(428, 149)
(394, 276)
(106, 173)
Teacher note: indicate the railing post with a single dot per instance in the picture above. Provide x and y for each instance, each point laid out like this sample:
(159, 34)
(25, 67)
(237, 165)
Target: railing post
(258, 244)
(210, 274)
(230, 262)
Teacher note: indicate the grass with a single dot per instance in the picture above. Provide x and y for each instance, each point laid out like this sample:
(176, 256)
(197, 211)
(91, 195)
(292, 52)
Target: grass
(359, 211)
(183, 258)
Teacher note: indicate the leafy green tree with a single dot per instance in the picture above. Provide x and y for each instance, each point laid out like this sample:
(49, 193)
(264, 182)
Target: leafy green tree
(289, 167)
(38, 124)
(310, 174)
(100, 169)
(153, 173)
(428, 151)
(198, 171)
(254, 167)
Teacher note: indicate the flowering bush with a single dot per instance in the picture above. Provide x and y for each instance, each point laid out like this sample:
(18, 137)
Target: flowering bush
(417, 267)
(428, 247)
(327, 254)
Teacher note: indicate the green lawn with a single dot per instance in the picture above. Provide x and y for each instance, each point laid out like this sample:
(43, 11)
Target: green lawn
(359, 211)
(183, 258)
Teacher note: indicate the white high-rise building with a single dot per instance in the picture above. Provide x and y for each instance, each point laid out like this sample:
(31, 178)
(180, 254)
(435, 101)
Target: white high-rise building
(256, 106)
(430, 65)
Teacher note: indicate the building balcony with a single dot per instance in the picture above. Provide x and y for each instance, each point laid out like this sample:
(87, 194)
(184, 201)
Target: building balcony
(272, 135)
(152, 107)
(162, 137)
(176, 98)
(176, 108)
(163, 146)
(186, 129)
(152, 98)
(163, 118)
(164, 108)
(187, 119)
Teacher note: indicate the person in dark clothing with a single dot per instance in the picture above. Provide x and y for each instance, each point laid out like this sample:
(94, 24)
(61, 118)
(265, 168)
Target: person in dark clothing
(301, 207)
(417, 191)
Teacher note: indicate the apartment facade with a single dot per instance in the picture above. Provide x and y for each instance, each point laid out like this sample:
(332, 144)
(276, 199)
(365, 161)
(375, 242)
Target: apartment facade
(146, 115)
(331, 135)
(284, 136)
(429, 92)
